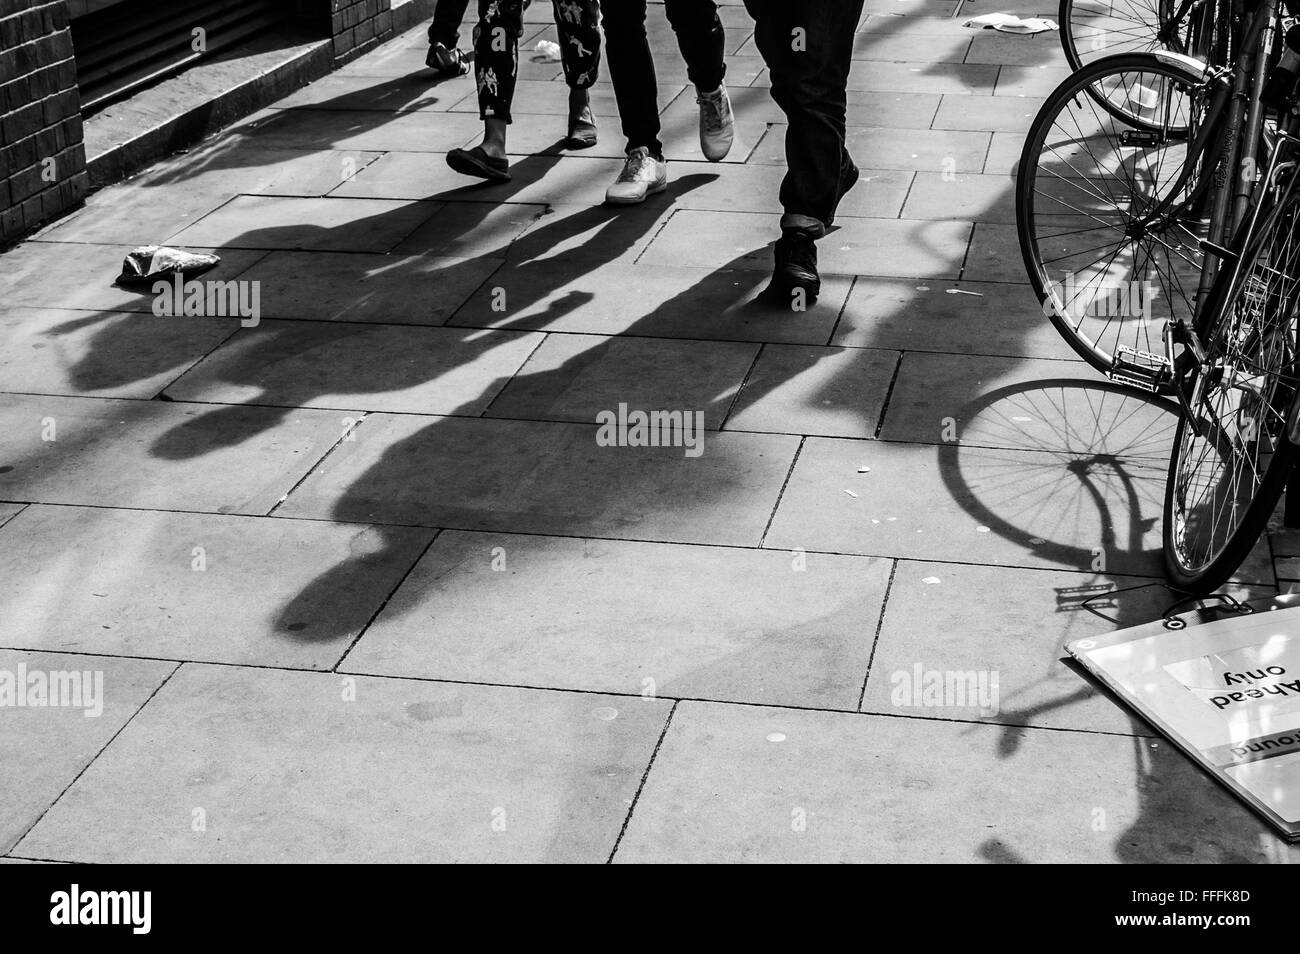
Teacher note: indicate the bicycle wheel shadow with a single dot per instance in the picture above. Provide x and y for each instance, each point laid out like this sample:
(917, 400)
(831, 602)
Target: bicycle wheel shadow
(1099, 453)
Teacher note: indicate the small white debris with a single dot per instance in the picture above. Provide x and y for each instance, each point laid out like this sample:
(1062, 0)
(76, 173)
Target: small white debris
(1037, 541)
(547, 51)
(776, 737)
(931, 580)
(981, 529)
(864, 470)
(962, 291)
(605, 713)
(850, 493)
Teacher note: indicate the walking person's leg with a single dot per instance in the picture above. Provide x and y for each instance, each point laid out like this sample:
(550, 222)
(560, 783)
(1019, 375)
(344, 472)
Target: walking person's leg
(808, 51)
(578, 24)
(445, 58)
(636, 89)
(496, 68)
(702, 40)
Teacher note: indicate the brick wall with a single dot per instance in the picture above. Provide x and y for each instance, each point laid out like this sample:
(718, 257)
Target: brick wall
(42, 160)
(358, 25)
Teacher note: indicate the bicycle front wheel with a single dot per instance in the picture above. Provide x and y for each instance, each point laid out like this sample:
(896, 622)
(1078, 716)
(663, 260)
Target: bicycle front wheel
(1108, 225)
(1227, 473)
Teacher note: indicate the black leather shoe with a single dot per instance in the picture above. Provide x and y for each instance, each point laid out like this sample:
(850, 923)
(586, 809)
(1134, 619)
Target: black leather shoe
(796, 266)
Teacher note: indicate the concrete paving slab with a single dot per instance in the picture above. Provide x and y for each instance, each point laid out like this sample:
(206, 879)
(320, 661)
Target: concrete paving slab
(974, 505)
(753, 784)
(45, 747)
(408, 289)
(967, 196)
(855, 246)
(987, 114)
(468, 229)
(355, 129)
(886, 148)
(161, 455)
(178, 193)
(942, 316)
(550, 478)
(664, 301)
(1008, 629)
(834, 392)
(779, 628)
(241, 590)
(994, 255)
(1054, 406)
(327, 225)
(107, 354)
(924, 77)
(81, 276)
(373, 367)
(264, 766)
(575, 377)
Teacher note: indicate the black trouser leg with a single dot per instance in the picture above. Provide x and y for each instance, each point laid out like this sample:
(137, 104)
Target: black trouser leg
(447, 17)
(810, 70)
(496, 55)
(578, 24)
(701, 39)
(632, 72)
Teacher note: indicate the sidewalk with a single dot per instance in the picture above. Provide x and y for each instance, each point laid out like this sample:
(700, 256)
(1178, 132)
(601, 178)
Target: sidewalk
(363, 586)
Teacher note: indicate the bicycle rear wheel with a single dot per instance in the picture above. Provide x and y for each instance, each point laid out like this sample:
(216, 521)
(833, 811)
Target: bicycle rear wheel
(1087, 183)
(1091, 29)
(1224, 482)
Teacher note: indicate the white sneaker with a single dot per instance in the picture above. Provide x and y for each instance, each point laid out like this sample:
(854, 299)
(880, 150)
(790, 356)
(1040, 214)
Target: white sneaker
(642, 175)
(717, 125)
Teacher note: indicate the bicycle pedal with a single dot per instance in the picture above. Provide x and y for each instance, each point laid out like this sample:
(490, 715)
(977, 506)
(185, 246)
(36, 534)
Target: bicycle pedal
(1140, 369)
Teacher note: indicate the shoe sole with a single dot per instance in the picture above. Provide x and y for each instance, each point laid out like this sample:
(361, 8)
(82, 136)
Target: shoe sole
(653, 190)
(467, 167)
(721, 155)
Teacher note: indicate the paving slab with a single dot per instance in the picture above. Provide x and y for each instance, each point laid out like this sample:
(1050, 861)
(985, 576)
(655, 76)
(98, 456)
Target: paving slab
(1004, 49)
(572, 178)
(468, 229)
(571, 239)
(404, 94)
(540, 98)
(575, 377)
(108, 354)
(264, 766)
(178, 193)
(779, 628)
(974, 505)
(45, 747)
(160, 455)
(994, 255)
(1007, 627)
(411, 289)
(1053, 406)
(941, 316)
(969, 197)
(483, 474)
(887, 148)
(856, 246)
(758, 784)
(354, 130)
(373, 367)
(987, 114)
(81, 276)
(239, 590)
(924, 77)
(1031, 81)
(664, 301)
(329, 225)
(798, 389)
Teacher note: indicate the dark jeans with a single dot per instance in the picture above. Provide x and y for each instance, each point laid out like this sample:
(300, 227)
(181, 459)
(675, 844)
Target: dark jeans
(700, 37)
(808, 83)
(496, 49)
(445, 28)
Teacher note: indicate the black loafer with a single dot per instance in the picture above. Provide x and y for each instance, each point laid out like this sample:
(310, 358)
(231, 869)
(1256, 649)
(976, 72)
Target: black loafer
(476, 162)
(582, 130)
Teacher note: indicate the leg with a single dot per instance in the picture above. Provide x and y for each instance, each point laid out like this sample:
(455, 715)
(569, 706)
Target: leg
(809, 51)
(702, 40)
(578, 24)
(496, 56)
(632, 72)
(445, 28)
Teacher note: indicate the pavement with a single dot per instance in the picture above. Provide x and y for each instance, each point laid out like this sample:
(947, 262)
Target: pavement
(361, 583)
